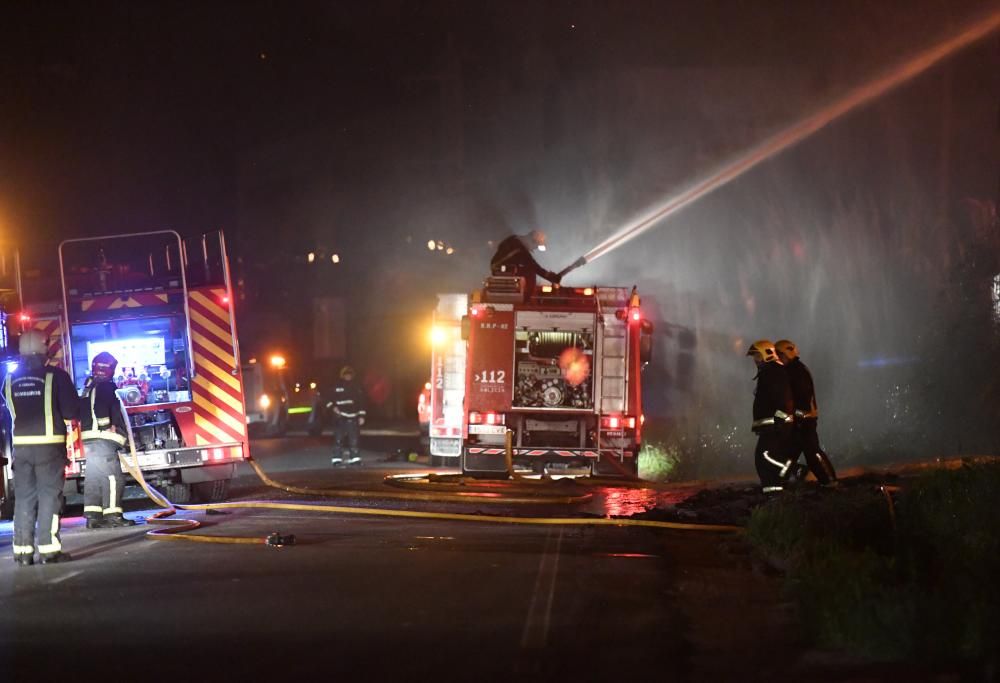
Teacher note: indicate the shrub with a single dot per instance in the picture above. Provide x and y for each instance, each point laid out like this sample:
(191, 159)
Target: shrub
(657, 461)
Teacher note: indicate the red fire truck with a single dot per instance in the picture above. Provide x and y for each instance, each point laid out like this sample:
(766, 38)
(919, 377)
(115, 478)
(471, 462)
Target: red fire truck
(560, 367)
(162, 306)
(447, 386)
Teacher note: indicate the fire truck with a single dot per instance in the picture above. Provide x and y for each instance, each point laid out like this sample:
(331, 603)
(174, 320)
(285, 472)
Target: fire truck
(162, 305)
(560, 368)
(447, 385)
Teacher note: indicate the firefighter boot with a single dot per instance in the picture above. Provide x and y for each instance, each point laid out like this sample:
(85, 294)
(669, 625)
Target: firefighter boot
(58, 556)
(335, 461)
(117, 520)
(24, 559)
(354, 460)
(94, 521)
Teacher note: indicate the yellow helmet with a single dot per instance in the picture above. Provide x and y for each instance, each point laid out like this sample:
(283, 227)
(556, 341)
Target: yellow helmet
(786, 349)
(765, 349)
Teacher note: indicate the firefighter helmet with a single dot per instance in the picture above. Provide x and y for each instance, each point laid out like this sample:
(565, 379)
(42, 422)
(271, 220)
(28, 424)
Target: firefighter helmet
(103, 366)
(764, 349)
(786, 350)
(346, 372)
(538, 238)
(32, 343)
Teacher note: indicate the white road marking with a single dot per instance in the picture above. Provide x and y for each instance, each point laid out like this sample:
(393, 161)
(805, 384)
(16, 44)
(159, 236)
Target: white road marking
(539, 619)
(64, 577)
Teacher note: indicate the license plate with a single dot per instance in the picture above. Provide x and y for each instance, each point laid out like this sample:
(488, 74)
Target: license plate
(487, 429)
(147, 460)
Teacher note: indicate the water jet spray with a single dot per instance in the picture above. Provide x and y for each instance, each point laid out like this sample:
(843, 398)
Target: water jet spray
(795, 133)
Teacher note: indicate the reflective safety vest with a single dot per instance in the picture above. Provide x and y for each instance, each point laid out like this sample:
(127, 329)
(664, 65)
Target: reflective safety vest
(103, 427)
(32, 398)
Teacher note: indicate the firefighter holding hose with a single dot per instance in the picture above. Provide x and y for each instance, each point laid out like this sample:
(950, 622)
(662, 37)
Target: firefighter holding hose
(42, 400)
(103, 428)
(773, 410)
(806, 438)
(513, 257)
(349, 416)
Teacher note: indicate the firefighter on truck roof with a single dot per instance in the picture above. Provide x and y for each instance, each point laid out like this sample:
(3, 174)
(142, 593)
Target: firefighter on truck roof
(42, 400)
(349, 416)
(103, 428)
(513, 257)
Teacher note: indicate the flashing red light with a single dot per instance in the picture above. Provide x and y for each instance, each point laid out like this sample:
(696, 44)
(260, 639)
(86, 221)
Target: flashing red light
(489, 418)
(636, 315)
(225, 300)
(24, 318)
(617, 422)
(476, 311)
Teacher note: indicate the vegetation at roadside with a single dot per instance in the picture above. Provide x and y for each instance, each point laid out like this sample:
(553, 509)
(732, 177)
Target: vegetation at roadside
(912, 577)
(658, 461)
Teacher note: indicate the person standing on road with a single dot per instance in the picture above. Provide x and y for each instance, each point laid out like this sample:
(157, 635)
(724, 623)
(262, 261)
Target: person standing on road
(103, 428)
(41, 400)
(349, 416)
(805, 436)
(773, 407)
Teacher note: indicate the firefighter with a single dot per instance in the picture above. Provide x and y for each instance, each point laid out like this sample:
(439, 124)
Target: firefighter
(104, 432)
(42, 400)
(773, 409)
(806, 415)
(513, 257)
(348, 415)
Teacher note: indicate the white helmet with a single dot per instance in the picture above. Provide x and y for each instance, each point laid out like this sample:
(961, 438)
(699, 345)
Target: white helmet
(32, 343)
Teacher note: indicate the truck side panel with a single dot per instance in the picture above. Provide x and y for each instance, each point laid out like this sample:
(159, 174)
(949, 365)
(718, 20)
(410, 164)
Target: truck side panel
(217, 387)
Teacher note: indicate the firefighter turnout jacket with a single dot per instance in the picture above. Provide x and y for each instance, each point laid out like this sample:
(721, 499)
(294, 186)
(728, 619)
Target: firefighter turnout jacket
(101, 415)
(773, 403)
(803, 391)
(513, 257)
(347, 401)
(42, 400)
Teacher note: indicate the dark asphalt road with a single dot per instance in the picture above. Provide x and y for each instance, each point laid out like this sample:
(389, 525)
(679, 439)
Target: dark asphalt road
(379, 598)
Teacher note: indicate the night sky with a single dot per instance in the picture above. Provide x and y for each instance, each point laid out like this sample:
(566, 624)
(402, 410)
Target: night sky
(368, 128)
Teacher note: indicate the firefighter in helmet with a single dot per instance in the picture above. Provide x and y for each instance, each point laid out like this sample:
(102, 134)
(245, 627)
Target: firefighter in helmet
(805, 437)
(773, 409)
(349, 416)
(41, 400)
(104, 432)
(513, 257)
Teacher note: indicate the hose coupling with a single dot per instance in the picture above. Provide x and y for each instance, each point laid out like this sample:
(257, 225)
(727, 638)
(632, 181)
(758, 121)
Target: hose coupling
(276, 540)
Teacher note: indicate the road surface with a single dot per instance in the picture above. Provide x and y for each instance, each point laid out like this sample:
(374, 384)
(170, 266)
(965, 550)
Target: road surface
(385, 598)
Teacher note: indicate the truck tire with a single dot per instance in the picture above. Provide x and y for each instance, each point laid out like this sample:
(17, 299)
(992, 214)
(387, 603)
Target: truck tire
(211, 491)
(176, 493)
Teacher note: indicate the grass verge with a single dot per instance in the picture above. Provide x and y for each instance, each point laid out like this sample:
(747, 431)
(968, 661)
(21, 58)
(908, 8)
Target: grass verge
(912, 580)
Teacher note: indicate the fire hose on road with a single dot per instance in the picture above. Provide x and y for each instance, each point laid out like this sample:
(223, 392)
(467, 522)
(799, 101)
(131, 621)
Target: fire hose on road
(173, 529)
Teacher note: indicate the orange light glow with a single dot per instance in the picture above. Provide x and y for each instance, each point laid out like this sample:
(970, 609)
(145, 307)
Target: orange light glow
(575, 366)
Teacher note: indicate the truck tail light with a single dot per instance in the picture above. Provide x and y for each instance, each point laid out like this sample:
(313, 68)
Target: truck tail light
(617, 422)
(487, 418)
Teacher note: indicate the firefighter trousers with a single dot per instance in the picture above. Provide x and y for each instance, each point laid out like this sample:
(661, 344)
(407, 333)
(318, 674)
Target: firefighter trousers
(39, 473)
(104, 483)
(774, 450)
(346, 429)
(807, 443)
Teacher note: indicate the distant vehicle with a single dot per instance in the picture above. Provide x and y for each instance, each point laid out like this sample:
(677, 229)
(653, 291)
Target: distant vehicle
(447, 385)
(559, 368)
(266, 392)
(162, 306)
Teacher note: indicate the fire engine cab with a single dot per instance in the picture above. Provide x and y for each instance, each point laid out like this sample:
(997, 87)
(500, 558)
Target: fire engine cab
(162, 306)
(560, 368)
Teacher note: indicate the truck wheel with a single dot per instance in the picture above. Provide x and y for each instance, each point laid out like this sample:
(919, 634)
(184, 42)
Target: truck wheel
(211, 491)
(176, 493)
